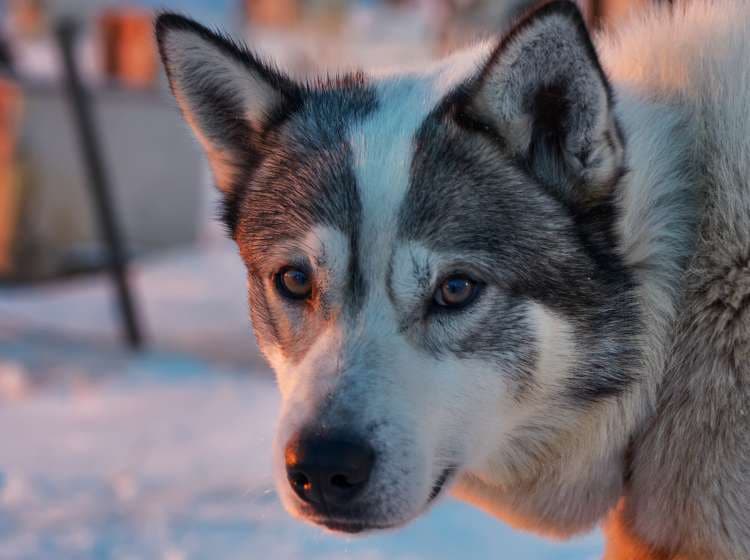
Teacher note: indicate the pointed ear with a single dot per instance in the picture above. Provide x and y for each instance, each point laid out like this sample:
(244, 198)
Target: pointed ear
(545, 93)
(226, 95)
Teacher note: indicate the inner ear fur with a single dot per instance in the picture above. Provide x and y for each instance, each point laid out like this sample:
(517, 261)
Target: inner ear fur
(544, 92)
(226, 94)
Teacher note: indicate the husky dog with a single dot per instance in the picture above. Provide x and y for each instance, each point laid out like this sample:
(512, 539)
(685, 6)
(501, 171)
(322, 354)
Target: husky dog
(521, 274)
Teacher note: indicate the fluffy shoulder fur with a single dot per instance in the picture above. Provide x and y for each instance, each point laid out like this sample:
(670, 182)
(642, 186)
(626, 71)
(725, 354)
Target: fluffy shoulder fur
(689, 490)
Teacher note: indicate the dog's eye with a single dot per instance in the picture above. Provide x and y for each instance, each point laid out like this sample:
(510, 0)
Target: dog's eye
(456, 291)
(293, 283)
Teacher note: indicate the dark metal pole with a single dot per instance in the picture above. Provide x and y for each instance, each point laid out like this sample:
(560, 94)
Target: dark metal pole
(80, 106)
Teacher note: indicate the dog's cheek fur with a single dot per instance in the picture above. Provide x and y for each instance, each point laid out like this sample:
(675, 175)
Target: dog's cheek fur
(529, 469)
(507, 396)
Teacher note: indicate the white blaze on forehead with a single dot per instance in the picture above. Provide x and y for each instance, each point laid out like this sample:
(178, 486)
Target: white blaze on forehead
(383, 146)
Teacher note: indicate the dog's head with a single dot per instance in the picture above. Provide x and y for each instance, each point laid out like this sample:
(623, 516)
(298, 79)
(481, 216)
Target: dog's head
(432, 267)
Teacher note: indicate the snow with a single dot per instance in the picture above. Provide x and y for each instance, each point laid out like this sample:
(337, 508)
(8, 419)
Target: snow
(166, 454)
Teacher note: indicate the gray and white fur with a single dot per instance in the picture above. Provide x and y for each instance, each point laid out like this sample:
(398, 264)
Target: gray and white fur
(597, 197)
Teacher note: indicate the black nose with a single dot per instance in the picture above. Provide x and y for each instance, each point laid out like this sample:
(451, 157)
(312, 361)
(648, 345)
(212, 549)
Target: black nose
(328, 471)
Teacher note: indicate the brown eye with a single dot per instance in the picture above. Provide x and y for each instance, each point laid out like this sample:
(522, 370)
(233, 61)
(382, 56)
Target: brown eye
(456, 291)
(293, 283)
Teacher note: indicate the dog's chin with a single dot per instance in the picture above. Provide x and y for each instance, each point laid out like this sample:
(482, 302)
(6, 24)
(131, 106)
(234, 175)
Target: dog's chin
(355, 524)
(353, 527)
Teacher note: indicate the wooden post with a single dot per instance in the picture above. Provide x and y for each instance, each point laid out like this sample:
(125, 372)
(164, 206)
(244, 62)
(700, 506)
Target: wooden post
(10, 118)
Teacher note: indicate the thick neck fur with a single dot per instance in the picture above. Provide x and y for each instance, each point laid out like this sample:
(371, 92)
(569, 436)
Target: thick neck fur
(660, 210)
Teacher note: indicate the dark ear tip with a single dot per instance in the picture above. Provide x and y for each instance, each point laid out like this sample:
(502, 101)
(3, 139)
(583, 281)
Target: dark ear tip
(168, 21)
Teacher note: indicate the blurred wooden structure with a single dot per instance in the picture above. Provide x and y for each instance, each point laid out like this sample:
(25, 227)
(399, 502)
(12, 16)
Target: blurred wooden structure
(128, 49)
(273, 13)
(28, 16)
(10, 120)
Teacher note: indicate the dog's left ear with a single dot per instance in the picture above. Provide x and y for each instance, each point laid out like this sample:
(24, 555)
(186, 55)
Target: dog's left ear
(544, 92)
(227, 95)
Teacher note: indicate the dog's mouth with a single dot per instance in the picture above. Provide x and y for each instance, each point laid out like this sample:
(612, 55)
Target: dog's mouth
(440, 483)
(350, 526)
(353, 526)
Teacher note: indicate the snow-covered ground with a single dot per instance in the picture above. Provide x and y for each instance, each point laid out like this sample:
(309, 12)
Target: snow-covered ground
(166, 454)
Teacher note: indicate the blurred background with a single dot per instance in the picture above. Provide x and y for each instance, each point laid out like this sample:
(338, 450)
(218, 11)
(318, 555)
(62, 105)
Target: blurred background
(136, 414)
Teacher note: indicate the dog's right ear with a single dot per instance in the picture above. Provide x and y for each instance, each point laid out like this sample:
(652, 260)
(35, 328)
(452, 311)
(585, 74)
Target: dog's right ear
(545, 94)
(227, 96)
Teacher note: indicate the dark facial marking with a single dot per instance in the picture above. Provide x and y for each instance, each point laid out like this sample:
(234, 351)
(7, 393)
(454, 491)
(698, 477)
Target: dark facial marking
(549, 237)
(305, 179)
(469, 196)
